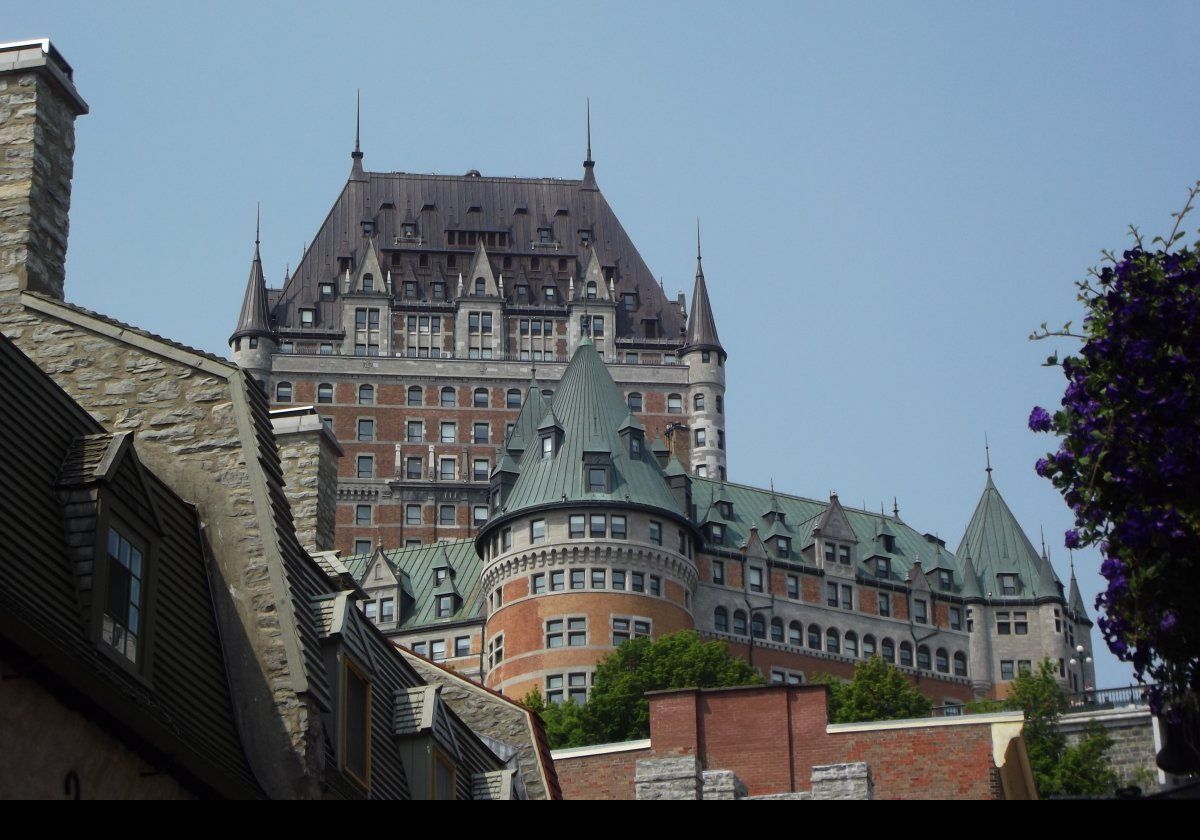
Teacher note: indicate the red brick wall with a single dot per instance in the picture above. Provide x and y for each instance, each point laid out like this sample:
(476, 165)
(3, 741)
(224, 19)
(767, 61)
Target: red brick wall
(607, 776)
(772, 736)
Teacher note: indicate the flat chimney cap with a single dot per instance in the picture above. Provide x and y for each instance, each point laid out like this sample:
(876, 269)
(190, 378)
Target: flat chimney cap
(40, 53)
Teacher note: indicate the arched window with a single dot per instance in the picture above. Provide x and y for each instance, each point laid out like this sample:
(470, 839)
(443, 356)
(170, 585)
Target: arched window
(832, 641)
(906, 657)
(283, 392)
(923, 657)
(591, 290)
(480, 398)
(513, 398)
(851, 643)
(635, 401)
(776, 630)
(758, 627)
(448, 397)
(414, 395)
(960, 664)
(814, 637)
(366, 394)
(480, 287)
(324, 393)
(795, 634)
(942, 661)
(889, 651)
(868, 646)
(698, 402)
(721, 620)
(739, 623)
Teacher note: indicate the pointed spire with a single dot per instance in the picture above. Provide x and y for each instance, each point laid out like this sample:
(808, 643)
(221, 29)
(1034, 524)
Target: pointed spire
(701, 326)
(1075, 597)
(987, 455)
(356, 168)
(971, 590)
(589, 165)
(895, 508)
(255, 318)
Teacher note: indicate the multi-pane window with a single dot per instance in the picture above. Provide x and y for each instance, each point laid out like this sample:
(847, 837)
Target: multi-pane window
(599, 578)
(563, 688)
(423, 339)
(920, 611)
(885, 604)
(535, 339)
(960, 664)
(538, 583)
(656, 532)
(445, 606)
(283, 392)
(446, 515)
(674, 404)
(624, 629)
(883, 567)
(366, 331)
(941, 661)
(325, 393)
(414, 395)
(479, 469)
(1008, 584)
(387, 609)
(412, 514)
(1020, 624)
(371, 610)
(888, 648)
(597, 479)
(906, 654)
(793, 587)
(755, 579)
(576, 524)
(655, 585)
(547, 447)
(558, 581)
(635, 401)
(481, 432)
(448, 432)
(366, 394)
(496, 650)
(844, 555)
(578, 578)
(462, 645)
(479, 331)
(618, 527)
(956, 618)
(831, 594)
(122, 623)
(362, 514)
(923, 661)
(1003, 624)
(479, 398)
(1006, 670)
(365, 466)
(513, 398)
(414, 431)
(479, 515)
(618, 579)
(571, 632)
(537, 531)
(366, 430)
(437, 650)
(447, 469)
(597, 526)
(718, 571)
(721, 620)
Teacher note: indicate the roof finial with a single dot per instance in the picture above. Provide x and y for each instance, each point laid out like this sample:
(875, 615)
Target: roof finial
(987, 454)
(357, 121)
(1042, 530)
(588, 106)
(1071, 554)
(895, 508)
(589, 165)
(257, 222)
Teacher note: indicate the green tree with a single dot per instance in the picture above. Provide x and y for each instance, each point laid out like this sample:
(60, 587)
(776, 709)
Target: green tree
(877, 692)
(617, 709)
(1059, 769)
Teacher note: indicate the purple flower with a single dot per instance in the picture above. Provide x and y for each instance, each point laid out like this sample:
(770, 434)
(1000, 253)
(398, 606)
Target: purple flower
(1071, 538)
(1042, 467)
(1039, 419)
(1167, 625)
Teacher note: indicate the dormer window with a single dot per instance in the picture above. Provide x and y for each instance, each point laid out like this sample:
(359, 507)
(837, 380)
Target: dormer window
(782, 547)
(545, 235)
(1008, 584)
(945, 579)
(121, 626)
(726, 509)
(591, 290)
(356, 724)
(445, 606)
(326, 291)
(550, 294)
(368, 283)
(585, 237)
(889, 543)
(439, 291)
(410, 288)
(480, 287)
(440, 574)
(883, 567)
(547, 447)
(635, 447)
(308, 318)
(597, 479)
(408, 230)
(716, 534)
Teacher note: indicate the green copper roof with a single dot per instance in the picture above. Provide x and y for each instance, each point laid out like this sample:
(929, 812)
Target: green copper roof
(1076, 599)
(414, 567)
(525, 428)
(997, 545)
(749, 503)
(589, 410)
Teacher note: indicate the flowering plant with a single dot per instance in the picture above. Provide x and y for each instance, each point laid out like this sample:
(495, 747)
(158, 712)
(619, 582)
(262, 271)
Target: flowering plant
(1128, 463)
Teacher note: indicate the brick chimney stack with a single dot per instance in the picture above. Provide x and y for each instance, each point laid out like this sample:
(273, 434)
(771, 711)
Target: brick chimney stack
(38, 107)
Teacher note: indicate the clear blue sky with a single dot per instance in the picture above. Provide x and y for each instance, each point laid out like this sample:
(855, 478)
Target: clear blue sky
(893, 195)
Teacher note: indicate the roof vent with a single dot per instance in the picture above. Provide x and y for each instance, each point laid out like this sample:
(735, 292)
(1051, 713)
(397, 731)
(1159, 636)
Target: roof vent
(473, 173)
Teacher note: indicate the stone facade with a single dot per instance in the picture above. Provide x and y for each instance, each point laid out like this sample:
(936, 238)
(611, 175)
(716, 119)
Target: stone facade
(1136, 742)
(309, 455)
(842, 781)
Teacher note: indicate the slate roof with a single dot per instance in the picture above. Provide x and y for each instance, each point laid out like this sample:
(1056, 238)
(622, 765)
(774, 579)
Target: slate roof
(589, 409)
(997, 545)
(802, 515)
(183, 714)
(701, 325)
(441, 203)
(255, 317)
(414, 566)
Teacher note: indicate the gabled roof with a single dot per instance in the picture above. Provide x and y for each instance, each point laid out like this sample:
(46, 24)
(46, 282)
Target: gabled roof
(589, 409)
(481, 269)
(416, 564)
(997, 545)
(524, 430)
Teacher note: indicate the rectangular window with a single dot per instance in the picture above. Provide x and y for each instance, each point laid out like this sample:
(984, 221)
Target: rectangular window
(506, 539)
(449, 432)
(366, 466)
(844, 555)
(387, 609)
(462, 646)
(637, 582)
(121, 626)
(538, 583)
(479, 515)
(366, 430)
(618, 579)
(885, 604)
(656, 586)
(362, 546)
(558, 581)
(956, 618)
(537, 531)
(1003, 624)
(920, 611)
(437, 650)
(756, 579)
(415, 431)
(831, 594)
(479, 469)
(481, 432)
(445, 606)
(599, 578)
(1024, 667)
(578, 578)
(576, 632)
(618, 527)
(718, 571)
(1020, 624)
(577, 526)
(597, 480)
(362, 514)
(554, 633)
(598, 528)
(496, 650)
(356, 725)
(446, 468)
(412, 467)
(1008, 584)
(793, 587)
(446, 515)
(371, 610)
(847, 597)
(656, 533)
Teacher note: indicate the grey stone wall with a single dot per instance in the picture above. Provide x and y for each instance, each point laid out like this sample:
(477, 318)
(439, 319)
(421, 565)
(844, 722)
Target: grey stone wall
(842, 781)
(722, 785)
(37, 142)
(1133, 751)
(310, 463)
(673, 778)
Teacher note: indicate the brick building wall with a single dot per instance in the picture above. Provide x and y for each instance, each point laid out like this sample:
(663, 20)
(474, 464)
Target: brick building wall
(602, 772)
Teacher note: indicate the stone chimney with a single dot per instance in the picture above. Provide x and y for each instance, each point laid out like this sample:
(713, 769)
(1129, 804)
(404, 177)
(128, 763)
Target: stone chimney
(38, 107)
(308, 455)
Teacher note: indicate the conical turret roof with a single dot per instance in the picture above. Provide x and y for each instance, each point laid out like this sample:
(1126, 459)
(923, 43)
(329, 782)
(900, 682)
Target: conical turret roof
(255, 317)
(701, 325)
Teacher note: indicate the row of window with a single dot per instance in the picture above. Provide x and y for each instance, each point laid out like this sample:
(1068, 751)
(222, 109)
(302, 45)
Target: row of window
(572, 631)
(414, 514)
(594, 526)
(440, 649)
(620, 580)
(674, 403)
(832, 641)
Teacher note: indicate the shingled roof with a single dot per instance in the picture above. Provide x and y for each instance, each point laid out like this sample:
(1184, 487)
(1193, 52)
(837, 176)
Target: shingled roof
(415, 568)
(701, 325)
